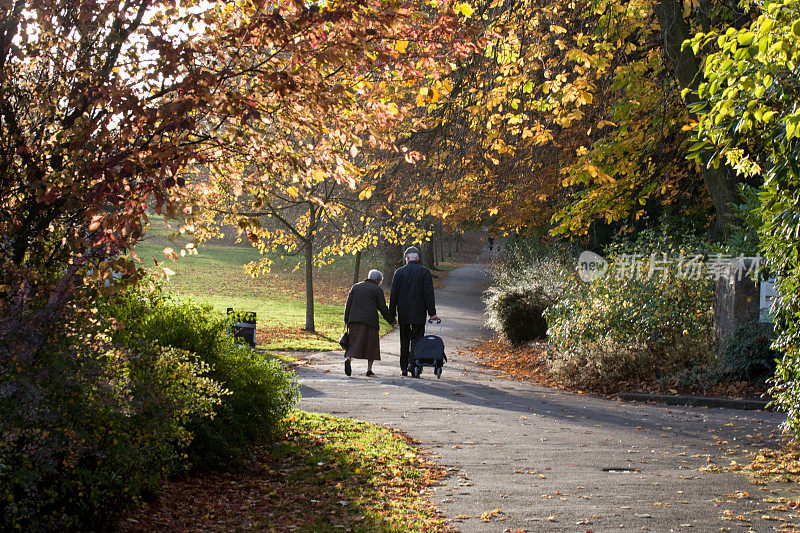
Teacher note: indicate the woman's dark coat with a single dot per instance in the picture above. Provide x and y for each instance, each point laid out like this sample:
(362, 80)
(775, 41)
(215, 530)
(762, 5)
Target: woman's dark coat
(364, 302)
(412, 294)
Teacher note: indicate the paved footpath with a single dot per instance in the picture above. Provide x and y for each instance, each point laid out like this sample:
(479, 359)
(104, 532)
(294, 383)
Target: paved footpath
(549, 460)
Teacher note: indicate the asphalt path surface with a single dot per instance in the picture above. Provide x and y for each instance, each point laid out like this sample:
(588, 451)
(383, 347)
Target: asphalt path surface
(525, 457)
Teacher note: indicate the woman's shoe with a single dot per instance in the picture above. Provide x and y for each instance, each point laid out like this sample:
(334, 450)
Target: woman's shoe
(347, 368)
(370, 373)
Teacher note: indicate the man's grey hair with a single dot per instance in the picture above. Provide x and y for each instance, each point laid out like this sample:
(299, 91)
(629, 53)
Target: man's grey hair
(375, 275)
(412, 257)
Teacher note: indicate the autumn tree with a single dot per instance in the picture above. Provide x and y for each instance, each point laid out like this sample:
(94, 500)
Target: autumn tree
(573, 114)
(107, 109)
(96, 109)
(312, 101)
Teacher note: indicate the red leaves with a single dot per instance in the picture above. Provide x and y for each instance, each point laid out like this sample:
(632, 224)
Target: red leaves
(525, 362)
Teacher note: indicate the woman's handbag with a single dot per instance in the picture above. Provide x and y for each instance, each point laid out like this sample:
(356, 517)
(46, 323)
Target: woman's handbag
(344, 340)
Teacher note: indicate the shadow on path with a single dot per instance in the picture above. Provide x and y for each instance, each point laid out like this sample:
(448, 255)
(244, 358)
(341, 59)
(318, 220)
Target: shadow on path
(548, 459)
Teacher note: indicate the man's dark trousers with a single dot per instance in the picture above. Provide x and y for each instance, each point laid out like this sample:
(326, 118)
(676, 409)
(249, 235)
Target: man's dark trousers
(409, 335)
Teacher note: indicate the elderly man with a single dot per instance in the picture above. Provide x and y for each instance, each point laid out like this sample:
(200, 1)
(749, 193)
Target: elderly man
(413, 301)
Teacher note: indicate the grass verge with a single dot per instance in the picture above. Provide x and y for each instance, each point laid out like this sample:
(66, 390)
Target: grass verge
(217, 276)
(327, 474)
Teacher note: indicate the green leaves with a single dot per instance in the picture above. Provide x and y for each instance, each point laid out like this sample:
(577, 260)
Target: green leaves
(751, 120)
(795, 29)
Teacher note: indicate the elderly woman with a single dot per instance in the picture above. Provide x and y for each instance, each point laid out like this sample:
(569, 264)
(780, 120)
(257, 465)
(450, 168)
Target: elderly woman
(361, 318)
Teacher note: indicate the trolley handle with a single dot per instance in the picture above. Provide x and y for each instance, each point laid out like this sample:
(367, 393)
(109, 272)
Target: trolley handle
(431, 322)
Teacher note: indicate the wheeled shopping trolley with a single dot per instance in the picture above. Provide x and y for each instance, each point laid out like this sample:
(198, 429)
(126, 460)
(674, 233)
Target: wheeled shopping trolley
(428, 351)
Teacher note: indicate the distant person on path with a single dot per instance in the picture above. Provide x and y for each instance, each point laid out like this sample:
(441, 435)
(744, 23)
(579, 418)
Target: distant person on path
(361, 318)
(412, 299)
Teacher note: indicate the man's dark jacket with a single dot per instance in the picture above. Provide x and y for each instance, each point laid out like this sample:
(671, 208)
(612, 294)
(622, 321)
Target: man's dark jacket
(364, 302)
(412, 294)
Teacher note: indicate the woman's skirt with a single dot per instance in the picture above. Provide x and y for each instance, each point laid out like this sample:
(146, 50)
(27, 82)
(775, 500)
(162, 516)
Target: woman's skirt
(364, 342)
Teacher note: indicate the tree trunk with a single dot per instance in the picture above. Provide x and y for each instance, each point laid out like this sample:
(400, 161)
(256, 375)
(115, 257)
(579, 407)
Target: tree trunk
(357, 268)
(429, 254)
(441, 244)
(393, 259)
(720, 184)
(309, 253)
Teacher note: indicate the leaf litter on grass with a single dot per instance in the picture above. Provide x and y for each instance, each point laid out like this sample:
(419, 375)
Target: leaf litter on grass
(326, 474)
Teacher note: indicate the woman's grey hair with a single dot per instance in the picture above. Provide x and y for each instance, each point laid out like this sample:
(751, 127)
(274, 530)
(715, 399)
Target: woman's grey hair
(375, 275)
(412, 257)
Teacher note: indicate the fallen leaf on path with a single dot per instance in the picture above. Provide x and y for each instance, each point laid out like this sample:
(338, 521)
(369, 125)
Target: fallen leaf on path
(495, 515)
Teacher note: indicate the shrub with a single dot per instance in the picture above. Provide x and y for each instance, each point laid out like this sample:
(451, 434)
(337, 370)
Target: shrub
(620, 329)
(516, 312)
(747, 355)
(528, 265)
(90, 428)
(261, 392)
(524, 286)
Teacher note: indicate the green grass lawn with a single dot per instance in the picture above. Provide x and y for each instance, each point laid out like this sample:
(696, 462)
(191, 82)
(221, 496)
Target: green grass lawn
(216, 276)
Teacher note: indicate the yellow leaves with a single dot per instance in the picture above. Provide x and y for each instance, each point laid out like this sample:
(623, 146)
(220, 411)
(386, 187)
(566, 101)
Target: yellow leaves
(465, 9)
(428, 95)
(557, 29)
(293, 191)
(365, 194)
(318, 175)
(791, 128)
(501, 147)
(401, 45)
(493, 515)
(435, 210)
